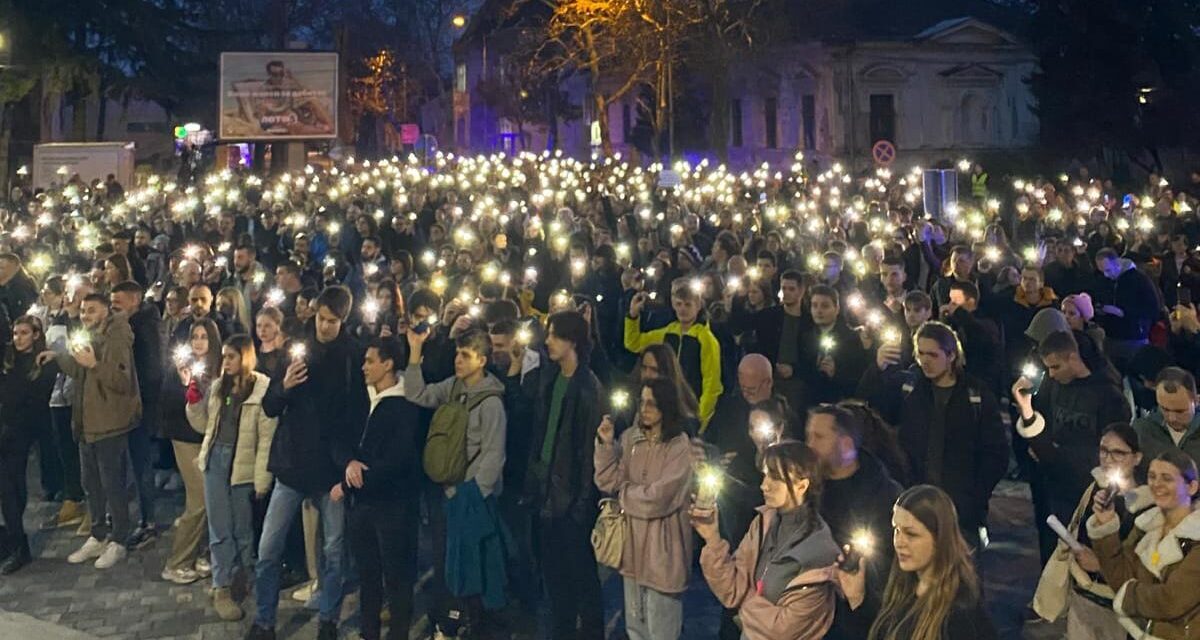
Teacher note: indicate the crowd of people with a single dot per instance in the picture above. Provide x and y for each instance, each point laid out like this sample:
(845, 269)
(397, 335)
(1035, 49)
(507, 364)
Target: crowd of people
(546, 371)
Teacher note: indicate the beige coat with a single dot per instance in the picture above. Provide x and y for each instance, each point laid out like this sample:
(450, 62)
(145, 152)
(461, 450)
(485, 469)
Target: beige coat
(255, 431)
(803, 612)
(653, 482)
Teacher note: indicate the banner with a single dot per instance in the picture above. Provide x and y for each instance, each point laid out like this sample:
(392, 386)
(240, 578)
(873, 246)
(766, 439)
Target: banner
(278, 95)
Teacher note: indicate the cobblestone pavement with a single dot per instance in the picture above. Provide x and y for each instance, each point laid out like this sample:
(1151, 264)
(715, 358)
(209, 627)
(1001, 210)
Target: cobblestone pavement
(52, 599)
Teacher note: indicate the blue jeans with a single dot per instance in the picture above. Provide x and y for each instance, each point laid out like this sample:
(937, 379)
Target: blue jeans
(285, 504)
(230, 524)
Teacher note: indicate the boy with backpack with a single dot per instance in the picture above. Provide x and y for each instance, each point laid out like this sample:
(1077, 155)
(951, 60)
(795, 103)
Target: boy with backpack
(464, 454)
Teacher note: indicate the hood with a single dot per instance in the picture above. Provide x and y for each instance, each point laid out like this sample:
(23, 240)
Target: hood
(261, 384)
(490, 383)
(1046, 322)
(394, 391)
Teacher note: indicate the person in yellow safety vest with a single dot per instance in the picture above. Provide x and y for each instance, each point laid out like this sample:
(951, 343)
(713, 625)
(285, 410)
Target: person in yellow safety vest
(979, 183)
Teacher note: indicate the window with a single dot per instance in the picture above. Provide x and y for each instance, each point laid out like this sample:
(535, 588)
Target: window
(735, 123)
(883, 118)
(460, 78)
(808, 116)
(771, 122)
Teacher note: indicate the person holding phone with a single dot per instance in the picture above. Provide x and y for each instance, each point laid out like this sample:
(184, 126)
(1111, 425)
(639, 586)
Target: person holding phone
(1158, 564)
(1062, 424)
(780, 578)
(1086, 597)
(932, 591)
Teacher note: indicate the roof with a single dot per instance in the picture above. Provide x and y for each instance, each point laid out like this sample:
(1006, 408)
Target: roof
(864, 20)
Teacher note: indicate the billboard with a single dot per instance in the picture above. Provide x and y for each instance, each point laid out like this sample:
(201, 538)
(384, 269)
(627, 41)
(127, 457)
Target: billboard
(279, 95)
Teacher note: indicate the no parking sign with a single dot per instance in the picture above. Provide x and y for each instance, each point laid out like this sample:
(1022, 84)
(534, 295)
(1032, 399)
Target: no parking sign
(884, 153)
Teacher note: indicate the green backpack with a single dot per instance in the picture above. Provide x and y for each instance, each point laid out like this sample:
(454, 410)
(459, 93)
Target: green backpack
(445, 456)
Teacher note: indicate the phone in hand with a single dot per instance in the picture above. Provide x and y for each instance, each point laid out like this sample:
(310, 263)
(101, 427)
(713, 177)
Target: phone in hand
(850, 558)
(421, 327)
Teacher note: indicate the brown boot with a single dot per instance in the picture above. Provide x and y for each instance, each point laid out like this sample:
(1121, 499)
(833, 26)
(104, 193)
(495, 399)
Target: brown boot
(71, 514)
(226, 608)
(85, 526)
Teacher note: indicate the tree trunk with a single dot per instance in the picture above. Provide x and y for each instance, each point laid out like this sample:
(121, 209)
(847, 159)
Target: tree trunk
(602, 118)
(102, 108)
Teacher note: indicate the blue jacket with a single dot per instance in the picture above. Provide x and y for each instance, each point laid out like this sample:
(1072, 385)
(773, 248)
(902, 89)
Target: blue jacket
(475, 549)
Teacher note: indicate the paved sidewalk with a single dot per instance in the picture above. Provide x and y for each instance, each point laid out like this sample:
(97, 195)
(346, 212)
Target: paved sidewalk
(132, 602)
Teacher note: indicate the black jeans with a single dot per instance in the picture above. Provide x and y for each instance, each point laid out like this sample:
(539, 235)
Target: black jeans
(104, 464)
(571, 578)
(141, 453)
(68, 453)
(383, 542)
(14, 492)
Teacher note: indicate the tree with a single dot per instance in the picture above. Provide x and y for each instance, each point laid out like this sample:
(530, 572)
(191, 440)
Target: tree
(1117, 76)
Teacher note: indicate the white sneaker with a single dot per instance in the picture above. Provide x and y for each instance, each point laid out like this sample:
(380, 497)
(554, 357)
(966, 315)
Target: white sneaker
(90, 550)
(180, 576)
(113, 553)
(305, 592)
(203, 567)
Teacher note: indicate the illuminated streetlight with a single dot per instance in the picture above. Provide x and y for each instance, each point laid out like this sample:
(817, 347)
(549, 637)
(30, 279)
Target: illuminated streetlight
(459, 21)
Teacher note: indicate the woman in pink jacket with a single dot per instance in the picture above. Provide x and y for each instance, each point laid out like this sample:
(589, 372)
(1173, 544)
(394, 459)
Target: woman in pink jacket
(650, 472)
(781, 578)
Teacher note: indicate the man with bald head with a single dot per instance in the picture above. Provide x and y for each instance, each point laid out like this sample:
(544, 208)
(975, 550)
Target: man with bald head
(730, 439)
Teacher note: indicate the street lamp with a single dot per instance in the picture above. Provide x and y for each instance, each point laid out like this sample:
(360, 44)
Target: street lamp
(459, 21)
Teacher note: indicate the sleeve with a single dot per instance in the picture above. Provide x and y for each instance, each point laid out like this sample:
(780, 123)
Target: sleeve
(1118, 563)
(666, 494)
(635, 340)
(67, 365)
(197, 414)
(991, 458)
(730, 577)
(491, 449)
(607, 461)
(806, 614)
(275, 402)
(1169, 599)
(265, 428)
(882, 390)
(710, 375)
(421, 394)
(592, 414)
(1034, 431)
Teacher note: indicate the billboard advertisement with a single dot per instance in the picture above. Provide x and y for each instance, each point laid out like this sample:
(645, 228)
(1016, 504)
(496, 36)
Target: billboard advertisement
(278, 95)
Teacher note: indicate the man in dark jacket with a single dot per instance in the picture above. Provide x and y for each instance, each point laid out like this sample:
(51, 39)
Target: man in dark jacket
(1066, 274)
(17, 290)
(321, 393)
(1127, 304)
(144, 320)
(856, 503)
(980, 337)
(519, 367)
(831, 356)
(948, 422)
(559, 483)
(1062, 421)
(383, 485)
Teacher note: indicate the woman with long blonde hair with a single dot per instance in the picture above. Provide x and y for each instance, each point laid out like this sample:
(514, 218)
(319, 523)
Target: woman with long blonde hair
(933, 591)
(233, 459)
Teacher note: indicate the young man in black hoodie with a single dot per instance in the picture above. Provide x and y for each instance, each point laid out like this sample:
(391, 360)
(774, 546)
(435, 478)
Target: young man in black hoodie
(856, 503)
(319, 402)
(382, 486)
(1063, 421)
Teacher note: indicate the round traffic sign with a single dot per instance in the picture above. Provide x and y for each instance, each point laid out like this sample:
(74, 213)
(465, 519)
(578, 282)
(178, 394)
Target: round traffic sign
(884, 152)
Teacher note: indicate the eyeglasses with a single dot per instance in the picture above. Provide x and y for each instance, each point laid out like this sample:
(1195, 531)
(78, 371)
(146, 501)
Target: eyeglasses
(1115, 454)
